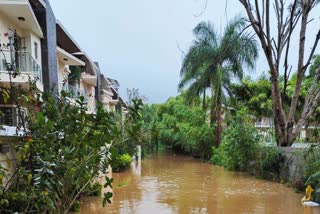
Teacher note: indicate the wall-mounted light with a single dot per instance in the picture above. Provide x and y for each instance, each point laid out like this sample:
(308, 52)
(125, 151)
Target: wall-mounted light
(22, 19)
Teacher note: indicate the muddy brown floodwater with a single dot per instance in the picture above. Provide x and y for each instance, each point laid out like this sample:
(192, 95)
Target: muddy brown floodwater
(166, 183)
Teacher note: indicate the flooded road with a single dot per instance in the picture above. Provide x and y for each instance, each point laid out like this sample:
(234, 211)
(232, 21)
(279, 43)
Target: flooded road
(166, 183)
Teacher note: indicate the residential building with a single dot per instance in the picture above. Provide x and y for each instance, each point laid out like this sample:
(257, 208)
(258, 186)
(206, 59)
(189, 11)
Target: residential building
(23, 42)
(106, 93)
(20, 57)
(88, 81)
(47, 22)
(67, 61)
(37, 47)
(77, 73)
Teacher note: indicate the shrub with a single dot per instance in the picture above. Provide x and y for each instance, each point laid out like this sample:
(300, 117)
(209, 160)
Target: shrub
(183, 128)
(120, 162)
(75, 207)
(93, 190)
(239, 145)
(268, 163)
(312, 170)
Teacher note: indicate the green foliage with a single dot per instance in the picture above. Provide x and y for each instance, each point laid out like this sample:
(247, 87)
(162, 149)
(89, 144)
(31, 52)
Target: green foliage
(182, 127)
(66, 149)
(107, 198)
(239, 146)
(132, 134)
(268, 163)
(63, 152)
(93, 190)
(75, 74)
(213, 60)
(75, 207)
(241, 150)
(255, 95)
(119, 162)
(315, 65)
(312, 170)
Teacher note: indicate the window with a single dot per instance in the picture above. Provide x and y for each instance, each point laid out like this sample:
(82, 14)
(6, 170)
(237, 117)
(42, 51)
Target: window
(36, 50)
(10, 116)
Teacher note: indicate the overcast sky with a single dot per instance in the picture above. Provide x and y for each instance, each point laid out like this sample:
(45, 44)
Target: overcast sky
(136, 41)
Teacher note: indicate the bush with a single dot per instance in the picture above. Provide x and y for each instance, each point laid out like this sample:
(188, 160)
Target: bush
(268, 163)
(75, 207)
(183, 128)
(239, 146)
(93, 190)
(312, 170)
(240, 150)
(120, 162)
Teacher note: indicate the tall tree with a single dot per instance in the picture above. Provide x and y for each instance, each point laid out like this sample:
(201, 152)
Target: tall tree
(277, 42)
(214, 59)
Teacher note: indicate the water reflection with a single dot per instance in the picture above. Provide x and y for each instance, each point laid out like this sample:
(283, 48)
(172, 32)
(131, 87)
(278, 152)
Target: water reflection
(178, 184)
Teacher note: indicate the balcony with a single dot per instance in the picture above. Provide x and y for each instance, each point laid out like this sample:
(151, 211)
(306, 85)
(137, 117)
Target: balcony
(13, 9)
(10, 120)
(89, 79)
(73, 92)
(21, 66)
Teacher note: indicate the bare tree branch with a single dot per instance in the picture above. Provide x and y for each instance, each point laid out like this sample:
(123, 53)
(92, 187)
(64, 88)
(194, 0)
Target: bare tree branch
(203, 10)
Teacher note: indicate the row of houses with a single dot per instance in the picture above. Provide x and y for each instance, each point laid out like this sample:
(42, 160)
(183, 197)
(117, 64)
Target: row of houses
(41, 49)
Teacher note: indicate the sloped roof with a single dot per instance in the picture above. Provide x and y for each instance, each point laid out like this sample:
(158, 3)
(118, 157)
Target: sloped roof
(114, 83)
(65, 40)
(91, 67)
(105, 84)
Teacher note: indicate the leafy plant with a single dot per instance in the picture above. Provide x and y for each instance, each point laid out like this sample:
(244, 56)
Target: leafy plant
(120, 162)
(239, 147)
(312, 170)
(268, 162)
(62, 153)
(182, 127)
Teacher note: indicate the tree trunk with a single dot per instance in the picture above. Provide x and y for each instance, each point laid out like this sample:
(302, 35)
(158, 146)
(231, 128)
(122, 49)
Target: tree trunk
(286, 126)
(219, 122)
(204, 100)
(212, 104)
(300, 75)
(219, 106)
(279, 115)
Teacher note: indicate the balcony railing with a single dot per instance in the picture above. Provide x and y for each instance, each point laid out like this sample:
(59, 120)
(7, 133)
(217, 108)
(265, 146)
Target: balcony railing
(263, 124)
(73, 92)
(20, 63)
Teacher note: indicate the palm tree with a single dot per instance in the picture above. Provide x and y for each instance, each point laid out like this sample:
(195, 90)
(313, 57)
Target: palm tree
(213, 60)
(198, 83)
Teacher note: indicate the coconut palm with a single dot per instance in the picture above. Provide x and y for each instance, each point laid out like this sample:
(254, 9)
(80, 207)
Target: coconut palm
(213, 60)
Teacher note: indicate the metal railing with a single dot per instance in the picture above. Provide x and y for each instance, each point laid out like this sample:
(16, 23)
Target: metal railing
(264, 124)
(20, 63)
(73, 92)
(9, 116)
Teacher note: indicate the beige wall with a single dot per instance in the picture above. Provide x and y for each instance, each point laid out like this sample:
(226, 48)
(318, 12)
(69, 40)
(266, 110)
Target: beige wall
(62, 73)
(30, 38)
(33, 39)
(90, 92)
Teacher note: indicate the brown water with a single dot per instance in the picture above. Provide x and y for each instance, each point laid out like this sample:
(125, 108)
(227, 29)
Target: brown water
(177, 184)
